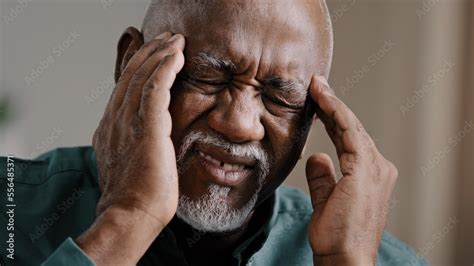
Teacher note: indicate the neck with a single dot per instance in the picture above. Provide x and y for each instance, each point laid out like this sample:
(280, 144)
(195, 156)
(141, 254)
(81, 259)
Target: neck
(195, 241)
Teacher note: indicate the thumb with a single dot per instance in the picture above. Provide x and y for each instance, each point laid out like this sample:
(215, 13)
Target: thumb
(321, 178)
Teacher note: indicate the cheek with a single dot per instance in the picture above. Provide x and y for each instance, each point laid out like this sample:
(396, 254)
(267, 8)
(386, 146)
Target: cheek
(186, 107)
(286, 139)
(282, 132)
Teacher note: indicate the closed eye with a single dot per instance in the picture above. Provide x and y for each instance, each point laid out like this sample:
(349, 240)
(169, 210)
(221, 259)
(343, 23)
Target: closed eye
(204, 86)
(292, 98)
(208, 81)
(284, 103)
(287, 93)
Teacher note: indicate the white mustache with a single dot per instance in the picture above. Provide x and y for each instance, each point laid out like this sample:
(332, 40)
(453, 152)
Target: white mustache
(239, 150)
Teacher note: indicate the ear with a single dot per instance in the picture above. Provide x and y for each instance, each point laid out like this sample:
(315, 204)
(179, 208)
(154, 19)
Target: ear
(128, 45)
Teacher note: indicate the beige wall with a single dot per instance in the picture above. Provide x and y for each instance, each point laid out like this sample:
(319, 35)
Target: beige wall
(465, 196)
(431, 207)
(390, 48)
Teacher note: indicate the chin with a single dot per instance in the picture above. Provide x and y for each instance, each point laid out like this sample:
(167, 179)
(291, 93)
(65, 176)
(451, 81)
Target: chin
(213, 211)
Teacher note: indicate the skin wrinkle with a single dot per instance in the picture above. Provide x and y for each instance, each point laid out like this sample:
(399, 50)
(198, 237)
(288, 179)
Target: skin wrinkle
(186, 13)
(210, 213)
(268, 52)
(294, 89)
(209, 60)
(238, 114)
(215, 188)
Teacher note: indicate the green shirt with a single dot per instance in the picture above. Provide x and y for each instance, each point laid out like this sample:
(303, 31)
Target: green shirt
(51, 200)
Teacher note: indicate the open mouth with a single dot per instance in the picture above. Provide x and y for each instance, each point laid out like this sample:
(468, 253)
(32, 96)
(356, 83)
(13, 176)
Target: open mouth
(223, 165)
(223, 168)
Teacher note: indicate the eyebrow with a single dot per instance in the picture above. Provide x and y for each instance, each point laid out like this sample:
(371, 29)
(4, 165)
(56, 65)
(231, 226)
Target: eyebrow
(208, 60)
(295, 88)
(285, 84)
(203, 60)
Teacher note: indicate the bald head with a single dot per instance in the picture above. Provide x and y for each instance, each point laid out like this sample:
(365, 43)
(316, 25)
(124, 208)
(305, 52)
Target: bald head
(190, 17)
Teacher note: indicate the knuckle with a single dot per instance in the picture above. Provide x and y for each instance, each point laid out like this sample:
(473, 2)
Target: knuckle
(122, 118)
(359, 127)
(393, 170)
(354, 158)
(149, 87)
(128, 93)
(150, 46)
(139, 76)
(117, 121)
(163, 47)
(136, 129)
(127, 73)
(176, 51)
(378, 173)
(389, 171)
(172, 49)
(116, 127)
(179, 37)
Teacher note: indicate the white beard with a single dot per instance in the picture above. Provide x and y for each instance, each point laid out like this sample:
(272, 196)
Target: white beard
(211, 212)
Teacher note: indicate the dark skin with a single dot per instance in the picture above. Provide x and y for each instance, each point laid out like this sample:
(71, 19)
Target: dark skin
(263, 120)
(243, 107)
(157, 102)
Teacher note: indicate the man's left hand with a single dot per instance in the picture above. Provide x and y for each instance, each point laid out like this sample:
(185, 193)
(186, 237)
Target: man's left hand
(349, 215)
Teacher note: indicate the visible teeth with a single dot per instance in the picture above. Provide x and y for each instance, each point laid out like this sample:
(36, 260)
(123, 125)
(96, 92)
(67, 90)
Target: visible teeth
(233, 167)
(225, 166)
(214, 161)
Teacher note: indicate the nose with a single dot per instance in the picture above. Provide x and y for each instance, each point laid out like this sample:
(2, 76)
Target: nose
(237, 116)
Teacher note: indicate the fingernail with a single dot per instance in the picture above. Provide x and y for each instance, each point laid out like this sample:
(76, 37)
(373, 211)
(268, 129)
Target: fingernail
(162, 36)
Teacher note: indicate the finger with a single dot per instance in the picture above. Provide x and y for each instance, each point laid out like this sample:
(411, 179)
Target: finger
(155, 97)
(342, 125)
(135, 62)
(321, 177)
(132, 99)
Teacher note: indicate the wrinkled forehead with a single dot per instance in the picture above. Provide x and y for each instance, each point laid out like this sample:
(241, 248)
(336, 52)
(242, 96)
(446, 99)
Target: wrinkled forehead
(286, 37)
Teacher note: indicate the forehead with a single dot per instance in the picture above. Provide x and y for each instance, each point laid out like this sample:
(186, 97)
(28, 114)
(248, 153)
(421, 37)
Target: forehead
(281, 39)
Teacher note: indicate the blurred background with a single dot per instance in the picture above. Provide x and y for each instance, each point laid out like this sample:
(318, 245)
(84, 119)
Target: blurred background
(405, 67)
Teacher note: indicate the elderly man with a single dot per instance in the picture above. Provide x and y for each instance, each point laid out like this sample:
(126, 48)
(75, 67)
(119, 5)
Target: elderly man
(213, 105)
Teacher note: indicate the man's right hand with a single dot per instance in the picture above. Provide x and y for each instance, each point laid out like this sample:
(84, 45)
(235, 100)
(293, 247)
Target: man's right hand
(135, 157)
